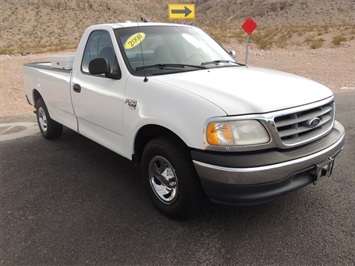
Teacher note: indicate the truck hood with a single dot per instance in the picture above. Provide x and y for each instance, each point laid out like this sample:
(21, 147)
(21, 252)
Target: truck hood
(247, 90)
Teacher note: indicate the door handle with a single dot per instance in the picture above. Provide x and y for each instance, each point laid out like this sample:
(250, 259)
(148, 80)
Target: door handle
(77, 88)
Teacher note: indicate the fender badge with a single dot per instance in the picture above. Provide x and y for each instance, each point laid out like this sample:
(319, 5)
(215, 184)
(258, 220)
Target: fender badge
(131, 103)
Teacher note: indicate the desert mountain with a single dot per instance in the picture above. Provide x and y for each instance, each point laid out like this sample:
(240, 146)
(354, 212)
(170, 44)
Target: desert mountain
(44, 25)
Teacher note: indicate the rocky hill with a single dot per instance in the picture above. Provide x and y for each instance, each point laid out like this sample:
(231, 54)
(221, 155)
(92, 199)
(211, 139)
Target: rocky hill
(49, 25)
(279, 12)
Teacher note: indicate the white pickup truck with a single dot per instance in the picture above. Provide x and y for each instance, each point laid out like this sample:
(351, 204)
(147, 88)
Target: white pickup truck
(198, 122)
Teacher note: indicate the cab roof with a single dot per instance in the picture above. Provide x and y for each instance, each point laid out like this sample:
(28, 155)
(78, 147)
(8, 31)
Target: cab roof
(129, 24)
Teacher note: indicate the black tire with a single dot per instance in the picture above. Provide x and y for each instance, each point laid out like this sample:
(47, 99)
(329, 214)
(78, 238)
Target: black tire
(49, 128)
(171, 179)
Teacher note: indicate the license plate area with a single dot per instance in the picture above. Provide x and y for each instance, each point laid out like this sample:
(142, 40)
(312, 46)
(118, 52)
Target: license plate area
(324, 169)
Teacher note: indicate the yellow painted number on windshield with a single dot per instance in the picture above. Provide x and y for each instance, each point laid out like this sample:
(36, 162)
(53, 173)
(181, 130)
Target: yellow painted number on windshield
(134, 40)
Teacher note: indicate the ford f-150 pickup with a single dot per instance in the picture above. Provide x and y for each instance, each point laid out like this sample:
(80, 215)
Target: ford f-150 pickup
(198, 122)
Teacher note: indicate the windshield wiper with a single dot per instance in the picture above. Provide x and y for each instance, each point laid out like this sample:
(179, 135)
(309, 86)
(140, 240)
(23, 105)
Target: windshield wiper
(217, 62)
(164, 66)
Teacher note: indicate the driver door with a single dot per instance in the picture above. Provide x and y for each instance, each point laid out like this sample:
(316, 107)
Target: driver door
(97, 99)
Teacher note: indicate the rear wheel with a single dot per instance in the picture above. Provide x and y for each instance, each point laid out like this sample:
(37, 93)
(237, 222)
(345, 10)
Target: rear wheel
(170, 177)
(49, 128)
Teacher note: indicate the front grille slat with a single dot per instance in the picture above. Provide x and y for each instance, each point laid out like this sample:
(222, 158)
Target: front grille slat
(291, 132)
(284, 121)
(296, 128)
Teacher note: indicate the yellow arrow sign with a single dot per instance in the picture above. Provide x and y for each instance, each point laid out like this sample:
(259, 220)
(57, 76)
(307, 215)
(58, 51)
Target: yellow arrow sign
(181, 11)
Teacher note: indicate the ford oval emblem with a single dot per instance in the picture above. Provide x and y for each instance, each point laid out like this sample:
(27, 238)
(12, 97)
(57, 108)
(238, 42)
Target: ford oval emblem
(313, 122)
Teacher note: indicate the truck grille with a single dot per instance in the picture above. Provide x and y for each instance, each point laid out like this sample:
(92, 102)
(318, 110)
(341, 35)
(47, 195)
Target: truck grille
(306, 125)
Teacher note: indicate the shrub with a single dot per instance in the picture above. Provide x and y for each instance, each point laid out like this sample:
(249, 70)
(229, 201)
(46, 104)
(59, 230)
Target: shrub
(263, 41)
(310, 38)
(337, 40)
(282, 41)
(6, 51)
(318, 43)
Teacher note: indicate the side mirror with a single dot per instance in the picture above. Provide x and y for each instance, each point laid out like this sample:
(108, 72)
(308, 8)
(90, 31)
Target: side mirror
(233, 54)
(99, 66)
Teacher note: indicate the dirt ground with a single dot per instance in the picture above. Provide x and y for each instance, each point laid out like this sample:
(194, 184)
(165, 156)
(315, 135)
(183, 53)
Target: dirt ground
(333, 67)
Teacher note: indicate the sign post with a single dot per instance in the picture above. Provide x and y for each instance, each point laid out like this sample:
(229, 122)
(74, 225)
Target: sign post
(182, 11)
(249, 26)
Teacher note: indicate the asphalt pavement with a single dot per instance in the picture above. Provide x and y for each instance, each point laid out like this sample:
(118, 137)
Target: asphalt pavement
(71, 201)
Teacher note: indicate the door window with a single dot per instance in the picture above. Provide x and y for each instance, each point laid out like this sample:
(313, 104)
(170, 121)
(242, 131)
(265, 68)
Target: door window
(99, 45)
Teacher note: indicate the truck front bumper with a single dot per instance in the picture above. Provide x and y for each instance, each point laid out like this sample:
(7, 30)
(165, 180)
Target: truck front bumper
(257, 177)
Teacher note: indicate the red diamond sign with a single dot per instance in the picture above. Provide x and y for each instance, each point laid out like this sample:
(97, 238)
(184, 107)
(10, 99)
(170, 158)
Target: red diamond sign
(249, 26)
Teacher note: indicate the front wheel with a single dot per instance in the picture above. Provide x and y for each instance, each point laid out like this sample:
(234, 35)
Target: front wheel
(170, 177)
(49, 128)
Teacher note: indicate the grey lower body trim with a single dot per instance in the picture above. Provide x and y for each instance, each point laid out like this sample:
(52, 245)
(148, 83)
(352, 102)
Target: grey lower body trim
(269, 173)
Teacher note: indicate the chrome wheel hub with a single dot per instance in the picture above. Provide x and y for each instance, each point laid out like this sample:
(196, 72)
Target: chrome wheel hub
(42, 119)
(163, 180)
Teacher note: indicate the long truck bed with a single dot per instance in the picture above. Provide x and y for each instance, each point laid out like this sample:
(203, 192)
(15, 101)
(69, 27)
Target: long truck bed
(53, 85)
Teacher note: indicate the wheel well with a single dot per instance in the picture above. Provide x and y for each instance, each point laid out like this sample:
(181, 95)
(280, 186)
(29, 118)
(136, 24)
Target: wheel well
(146, 134)
(36, 96)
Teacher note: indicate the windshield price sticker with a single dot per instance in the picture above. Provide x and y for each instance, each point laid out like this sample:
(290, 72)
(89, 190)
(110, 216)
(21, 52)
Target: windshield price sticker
(134, 40)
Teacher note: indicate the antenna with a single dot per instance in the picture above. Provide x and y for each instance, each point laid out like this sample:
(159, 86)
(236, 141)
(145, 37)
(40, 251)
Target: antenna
(140, 45)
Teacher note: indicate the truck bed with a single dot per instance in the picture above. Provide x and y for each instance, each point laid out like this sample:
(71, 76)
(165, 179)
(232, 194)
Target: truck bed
(54, 86)
(46, 66)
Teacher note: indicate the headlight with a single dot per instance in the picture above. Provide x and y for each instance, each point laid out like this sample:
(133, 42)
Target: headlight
(236, 133)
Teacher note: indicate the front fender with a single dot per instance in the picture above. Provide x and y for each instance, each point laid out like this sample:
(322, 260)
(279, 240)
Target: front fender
(169, 107)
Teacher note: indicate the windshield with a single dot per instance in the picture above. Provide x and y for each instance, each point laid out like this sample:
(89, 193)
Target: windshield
(158, 50)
